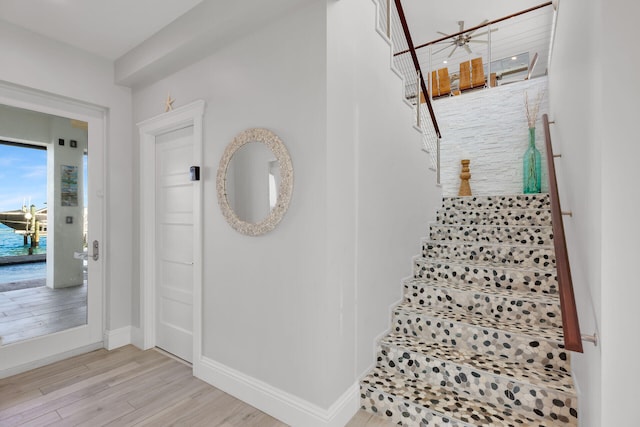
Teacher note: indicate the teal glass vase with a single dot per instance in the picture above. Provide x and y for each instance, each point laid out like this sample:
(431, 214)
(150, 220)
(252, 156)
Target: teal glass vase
(532, 178)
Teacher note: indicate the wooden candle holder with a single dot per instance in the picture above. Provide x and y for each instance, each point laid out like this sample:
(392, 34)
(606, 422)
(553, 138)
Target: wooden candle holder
(465, 188)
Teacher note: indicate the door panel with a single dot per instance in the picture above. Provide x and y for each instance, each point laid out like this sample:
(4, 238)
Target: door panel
(179, 275)
(178, 242)
(174, 251)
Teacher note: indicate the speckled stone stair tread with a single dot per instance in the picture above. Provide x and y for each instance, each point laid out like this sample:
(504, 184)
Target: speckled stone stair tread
(503, 217)
(407, 400)
(411, 283)
(490, 254)
(522, 343)
(501, 304)
(485, 266)
(519, 201)
(551, 334)
(483, 363)
(510, 234)
(520, 279)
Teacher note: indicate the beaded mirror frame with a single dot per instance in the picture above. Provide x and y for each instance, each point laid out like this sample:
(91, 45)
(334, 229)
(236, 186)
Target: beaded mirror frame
(285, 189)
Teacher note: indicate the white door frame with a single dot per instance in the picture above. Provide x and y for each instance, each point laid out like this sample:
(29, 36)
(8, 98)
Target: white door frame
(188, 115)
(39, 351)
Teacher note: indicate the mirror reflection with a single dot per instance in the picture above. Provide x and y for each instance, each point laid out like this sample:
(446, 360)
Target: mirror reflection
(252, 182)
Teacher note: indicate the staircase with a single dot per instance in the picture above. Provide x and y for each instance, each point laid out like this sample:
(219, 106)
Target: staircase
(477, 339)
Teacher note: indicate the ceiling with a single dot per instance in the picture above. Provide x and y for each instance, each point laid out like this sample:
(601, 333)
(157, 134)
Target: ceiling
(107, 28)
(520, 37)
(426, 17)
(111, 28)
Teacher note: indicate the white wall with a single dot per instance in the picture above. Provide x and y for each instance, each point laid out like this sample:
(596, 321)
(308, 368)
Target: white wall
(596, 134)
(20, 124)
(36, 62)
(489, 127)
(392, 194)
(265, 298)
(574, 135)
(64, 239)
(299, 308)
(198, 33)
(617, 133)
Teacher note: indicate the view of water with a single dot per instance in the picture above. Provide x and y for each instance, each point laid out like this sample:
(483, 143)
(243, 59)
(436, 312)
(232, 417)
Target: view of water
(13, 244)
(17, 272)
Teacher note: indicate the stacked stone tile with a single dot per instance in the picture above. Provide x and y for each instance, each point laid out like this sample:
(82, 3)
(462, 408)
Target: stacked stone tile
(477, 339)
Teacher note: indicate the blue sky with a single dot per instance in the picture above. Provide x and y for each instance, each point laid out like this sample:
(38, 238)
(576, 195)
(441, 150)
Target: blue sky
(23, 175)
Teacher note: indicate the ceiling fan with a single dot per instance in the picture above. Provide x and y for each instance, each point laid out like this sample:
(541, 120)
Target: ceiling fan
(463, 40)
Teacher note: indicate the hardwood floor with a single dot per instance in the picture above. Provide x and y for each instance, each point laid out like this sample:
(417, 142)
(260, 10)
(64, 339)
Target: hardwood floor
(32, 312)
(127, 387)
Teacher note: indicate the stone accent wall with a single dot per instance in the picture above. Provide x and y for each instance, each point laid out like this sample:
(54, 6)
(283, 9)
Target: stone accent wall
(489, 127)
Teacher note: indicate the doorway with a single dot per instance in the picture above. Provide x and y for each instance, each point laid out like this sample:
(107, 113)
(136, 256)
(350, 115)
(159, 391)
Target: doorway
(59, 312)
(171, 232)
(32, 303)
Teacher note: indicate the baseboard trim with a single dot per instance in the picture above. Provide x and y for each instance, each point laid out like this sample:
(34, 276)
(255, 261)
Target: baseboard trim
(284, 406)
(117, 338)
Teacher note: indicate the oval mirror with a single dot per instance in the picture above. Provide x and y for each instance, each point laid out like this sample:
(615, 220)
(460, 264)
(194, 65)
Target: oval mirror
(254, 181)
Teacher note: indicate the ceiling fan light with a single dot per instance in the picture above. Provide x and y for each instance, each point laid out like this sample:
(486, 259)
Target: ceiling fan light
(513, 58)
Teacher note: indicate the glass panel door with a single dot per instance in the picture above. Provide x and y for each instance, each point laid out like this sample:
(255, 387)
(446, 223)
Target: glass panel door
(50, 285)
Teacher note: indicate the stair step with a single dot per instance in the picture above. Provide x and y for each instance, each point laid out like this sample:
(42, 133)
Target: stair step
(500, 304)
(527, 344)
(507, 256)
(538, 392)
(412, 402)
(478, 339)
(528, 280)
(517, 201)
(512, 235)
(503, 217)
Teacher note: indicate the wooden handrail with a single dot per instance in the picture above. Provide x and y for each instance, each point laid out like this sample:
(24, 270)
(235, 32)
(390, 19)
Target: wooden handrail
(416, 64)
(570, 324)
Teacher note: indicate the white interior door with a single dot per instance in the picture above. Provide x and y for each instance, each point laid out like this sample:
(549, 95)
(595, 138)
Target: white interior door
(174, 243)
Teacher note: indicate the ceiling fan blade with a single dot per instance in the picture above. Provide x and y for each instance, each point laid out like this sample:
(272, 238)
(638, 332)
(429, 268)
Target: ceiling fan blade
(467, 49)
(444, 48)
(482, 23)
(485, 33)
(444, 34)
(453, 50)
(477, 41)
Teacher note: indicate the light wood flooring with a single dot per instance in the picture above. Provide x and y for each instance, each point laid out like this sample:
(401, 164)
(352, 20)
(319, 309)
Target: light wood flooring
(33, 312)
(127, 387)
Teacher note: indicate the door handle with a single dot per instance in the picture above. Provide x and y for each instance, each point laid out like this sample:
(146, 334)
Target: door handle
(96, 250)
(84, 255)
